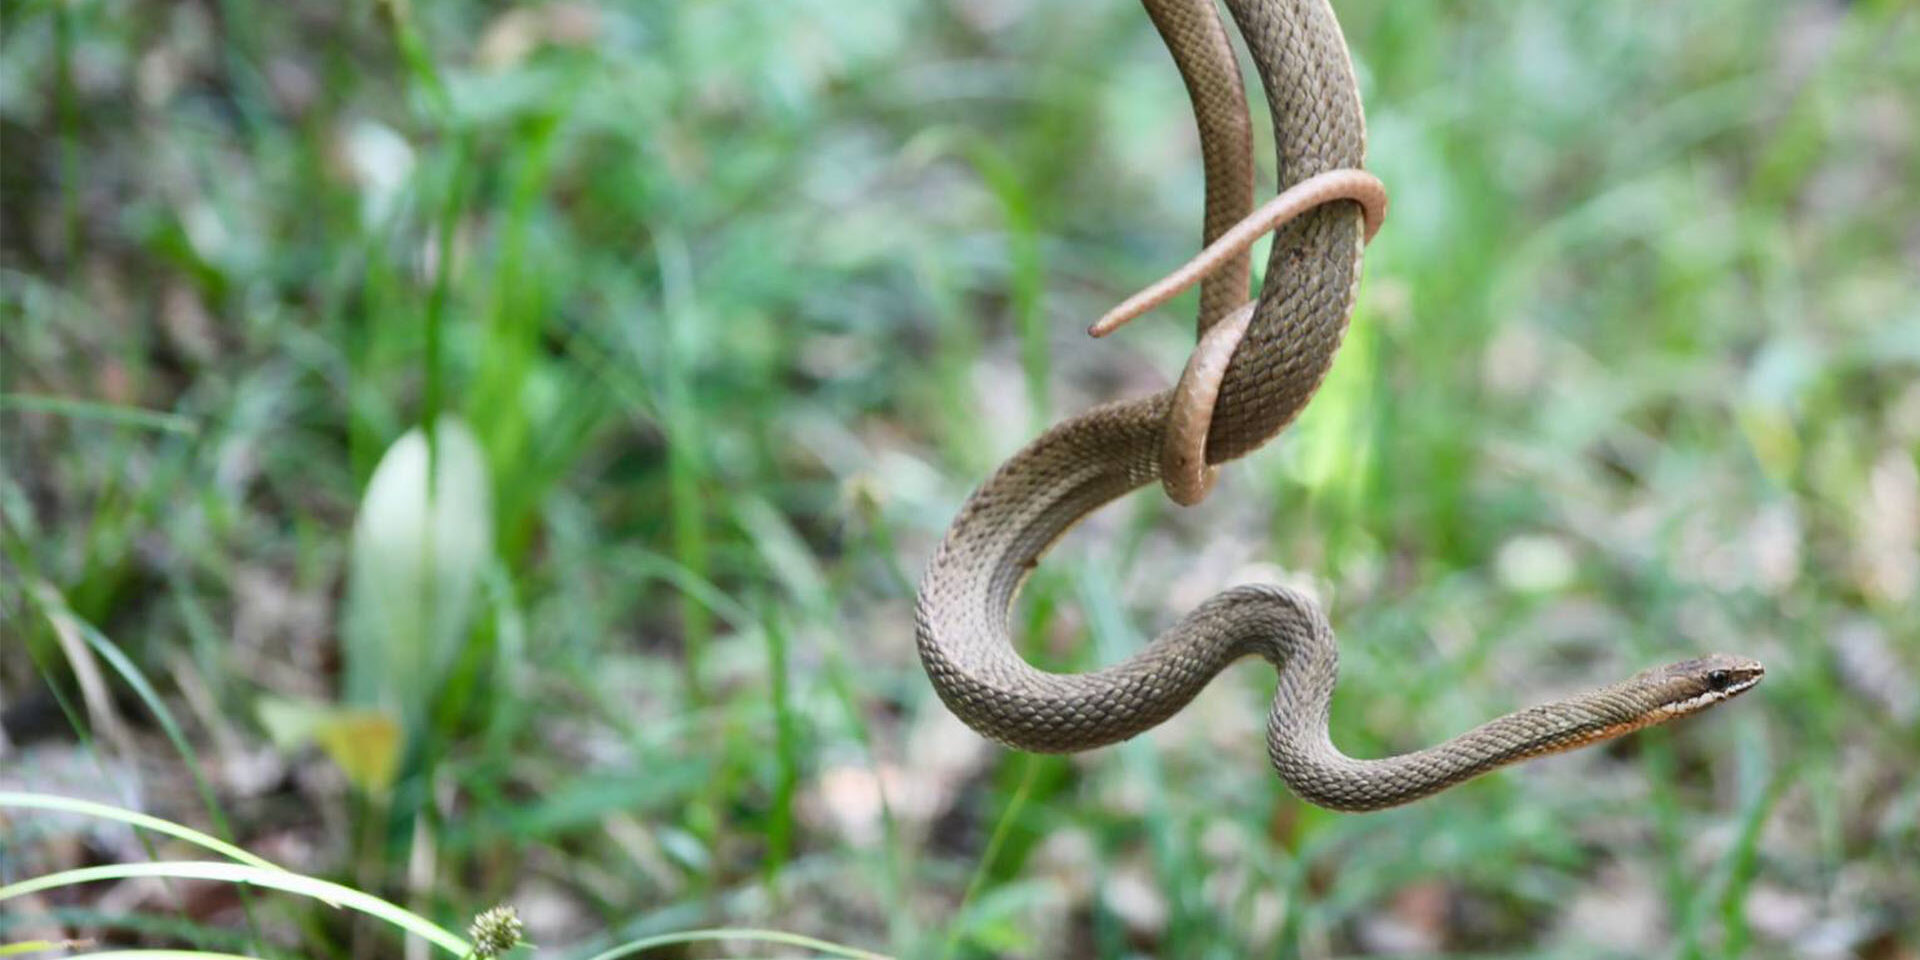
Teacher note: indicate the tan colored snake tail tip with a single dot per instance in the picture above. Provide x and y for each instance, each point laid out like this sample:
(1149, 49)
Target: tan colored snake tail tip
(1358, 186)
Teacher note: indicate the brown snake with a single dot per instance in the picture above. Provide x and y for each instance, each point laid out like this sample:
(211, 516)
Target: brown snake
(1256, 377)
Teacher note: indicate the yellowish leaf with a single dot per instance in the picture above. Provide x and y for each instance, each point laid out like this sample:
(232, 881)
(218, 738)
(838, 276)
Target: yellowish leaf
(365, 743)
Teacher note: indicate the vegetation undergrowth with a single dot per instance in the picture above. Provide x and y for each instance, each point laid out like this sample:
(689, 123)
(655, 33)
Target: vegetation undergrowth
(455, 454)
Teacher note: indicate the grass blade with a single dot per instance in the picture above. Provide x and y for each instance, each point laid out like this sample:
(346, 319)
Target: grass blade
(87, 808)
(762, 936)
(114, 414)
(275, 879)
(55, 610)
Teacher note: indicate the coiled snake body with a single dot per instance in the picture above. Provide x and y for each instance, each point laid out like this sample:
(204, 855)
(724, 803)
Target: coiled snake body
(1286, 348)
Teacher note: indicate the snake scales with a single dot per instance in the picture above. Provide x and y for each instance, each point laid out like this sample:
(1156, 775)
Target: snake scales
(1287, 345)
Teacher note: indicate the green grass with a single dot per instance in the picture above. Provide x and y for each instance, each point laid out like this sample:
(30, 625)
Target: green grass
(740, 299)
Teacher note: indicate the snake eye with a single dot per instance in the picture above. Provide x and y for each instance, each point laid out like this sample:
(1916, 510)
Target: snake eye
(1719, 679)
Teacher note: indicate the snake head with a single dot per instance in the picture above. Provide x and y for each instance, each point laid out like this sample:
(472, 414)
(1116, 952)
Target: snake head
(1691, 686)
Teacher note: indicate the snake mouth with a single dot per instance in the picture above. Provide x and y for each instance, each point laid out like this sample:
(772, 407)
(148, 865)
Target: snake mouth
(1697, 703)
(1723, 679)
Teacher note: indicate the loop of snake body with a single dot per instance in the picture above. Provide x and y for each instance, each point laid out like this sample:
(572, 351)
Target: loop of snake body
(1287, 345)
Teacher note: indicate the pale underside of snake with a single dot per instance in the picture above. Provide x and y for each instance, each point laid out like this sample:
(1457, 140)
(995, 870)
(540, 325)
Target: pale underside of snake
(1256, 369)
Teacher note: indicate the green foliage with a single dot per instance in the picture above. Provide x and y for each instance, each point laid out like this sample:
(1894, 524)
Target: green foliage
(738, 299)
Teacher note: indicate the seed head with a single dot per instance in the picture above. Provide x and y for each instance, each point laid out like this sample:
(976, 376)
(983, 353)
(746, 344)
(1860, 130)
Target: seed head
(495, 932)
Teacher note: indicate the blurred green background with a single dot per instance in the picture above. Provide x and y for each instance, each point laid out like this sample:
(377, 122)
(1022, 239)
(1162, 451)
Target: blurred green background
(737, 300)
